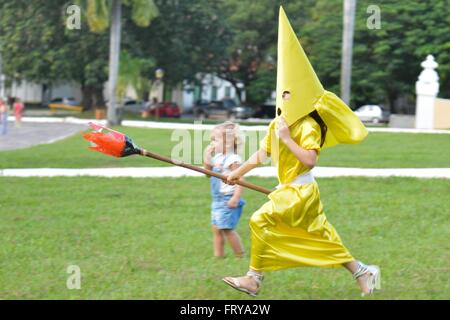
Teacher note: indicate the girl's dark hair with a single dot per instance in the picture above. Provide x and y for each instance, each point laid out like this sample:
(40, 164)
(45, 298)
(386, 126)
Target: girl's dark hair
(323, 127)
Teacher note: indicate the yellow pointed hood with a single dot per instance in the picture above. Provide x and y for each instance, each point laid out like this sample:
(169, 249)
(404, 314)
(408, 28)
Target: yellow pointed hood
(294, 74)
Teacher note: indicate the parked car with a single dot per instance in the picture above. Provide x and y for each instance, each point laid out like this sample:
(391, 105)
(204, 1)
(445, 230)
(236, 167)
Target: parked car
(134, 106)
(226, 108)
(265, 111)
(198, 104)
(67, 103)
(372, 113)
(166, 109)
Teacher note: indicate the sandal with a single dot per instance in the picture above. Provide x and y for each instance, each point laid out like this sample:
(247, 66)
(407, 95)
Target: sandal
(373, 281)
(236, 284)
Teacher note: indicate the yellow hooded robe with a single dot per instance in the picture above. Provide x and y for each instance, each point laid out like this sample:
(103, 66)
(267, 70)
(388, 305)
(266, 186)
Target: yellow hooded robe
(291, 229)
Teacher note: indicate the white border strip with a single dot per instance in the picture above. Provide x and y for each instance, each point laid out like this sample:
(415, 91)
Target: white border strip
(159, 172)
(191, 126)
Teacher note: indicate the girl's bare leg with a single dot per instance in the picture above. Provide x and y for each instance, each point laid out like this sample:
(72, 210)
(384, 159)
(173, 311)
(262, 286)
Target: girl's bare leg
(353, 267)
(235, 242)
(218, 241)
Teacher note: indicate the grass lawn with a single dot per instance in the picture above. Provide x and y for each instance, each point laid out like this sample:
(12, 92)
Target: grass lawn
(151, 239)
(378, 150)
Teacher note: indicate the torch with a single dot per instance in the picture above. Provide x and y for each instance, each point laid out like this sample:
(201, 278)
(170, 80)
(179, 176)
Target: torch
(119, 145)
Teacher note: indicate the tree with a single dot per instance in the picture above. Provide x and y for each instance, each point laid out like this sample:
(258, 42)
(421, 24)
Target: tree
(131, 74)
(35, 45)
(99, 14)
(387, 60)
(261, 88)
(253, 26)
(189, 38)
(252, 54)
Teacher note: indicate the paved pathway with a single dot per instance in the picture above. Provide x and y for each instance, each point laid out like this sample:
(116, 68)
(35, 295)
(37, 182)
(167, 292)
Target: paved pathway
(33, 133)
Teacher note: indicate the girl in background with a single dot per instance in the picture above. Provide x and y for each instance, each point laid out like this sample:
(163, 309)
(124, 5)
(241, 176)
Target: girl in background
(18, 109)
(226, 208)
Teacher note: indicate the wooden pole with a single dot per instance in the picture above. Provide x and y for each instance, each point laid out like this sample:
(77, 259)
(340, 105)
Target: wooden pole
(203, 170)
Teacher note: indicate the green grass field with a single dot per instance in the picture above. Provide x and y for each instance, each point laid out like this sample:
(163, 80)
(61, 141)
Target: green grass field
(151, 239)
(378, 150)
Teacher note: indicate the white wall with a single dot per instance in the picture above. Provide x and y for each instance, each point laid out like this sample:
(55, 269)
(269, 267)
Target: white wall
(211, 81)
(188, 99)
(208, 83)
(31, 92)
(2, 86)
(28, 92)
(67, 90)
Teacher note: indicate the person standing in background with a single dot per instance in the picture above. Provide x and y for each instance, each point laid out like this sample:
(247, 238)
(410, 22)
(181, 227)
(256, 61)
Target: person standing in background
(18, 109)
(3, 116)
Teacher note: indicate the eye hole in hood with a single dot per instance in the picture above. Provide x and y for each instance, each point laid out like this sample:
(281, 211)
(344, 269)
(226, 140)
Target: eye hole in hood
(286, 95)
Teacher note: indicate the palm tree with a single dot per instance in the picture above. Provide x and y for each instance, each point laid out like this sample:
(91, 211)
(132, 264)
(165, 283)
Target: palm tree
(347, 49)
(99, 14)
(131, 74)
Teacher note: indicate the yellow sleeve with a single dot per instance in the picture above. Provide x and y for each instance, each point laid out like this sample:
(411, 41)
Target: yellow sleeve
(311, 135)
(266, 142)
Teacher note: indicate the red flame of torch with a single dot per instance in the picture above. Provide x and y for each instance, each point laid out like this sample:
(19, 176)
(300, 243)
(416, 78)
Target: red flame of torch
(111, 143)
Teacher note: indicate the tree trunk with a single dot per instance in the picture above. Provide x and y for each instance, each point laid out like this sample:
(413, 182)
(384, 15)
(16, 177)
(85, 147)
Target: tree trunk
(238, 92)
(99, 101)
(347, 49)
(392, 97)
(88, 97)
(235, 85)
(114, 51)
(146, 96)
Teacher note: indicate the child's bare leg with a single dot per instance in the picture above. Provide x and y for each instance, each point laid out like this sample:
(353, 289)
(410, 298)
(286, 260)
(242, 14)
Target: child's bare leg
(235, 242)
(218, 241)
(353, 267)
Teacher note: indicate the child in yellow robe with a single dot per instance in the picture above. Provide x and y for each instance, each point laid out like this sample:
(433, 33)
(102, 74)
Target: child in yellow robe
(291, 229)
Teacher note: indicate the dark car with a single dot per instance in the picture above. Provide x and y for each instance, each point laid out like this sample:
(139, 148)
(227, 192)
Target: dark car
(198, 104)
(265, 111)
(166, 109)
(223, 109)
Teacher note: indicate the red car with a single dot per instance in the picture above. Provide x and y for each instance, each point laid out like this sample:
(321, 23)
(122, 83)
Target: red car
(166, 109)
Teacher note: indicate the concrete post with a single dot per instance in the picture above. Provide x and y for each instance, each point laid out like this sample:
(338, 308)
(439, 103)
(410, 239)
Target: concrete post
(427, 88)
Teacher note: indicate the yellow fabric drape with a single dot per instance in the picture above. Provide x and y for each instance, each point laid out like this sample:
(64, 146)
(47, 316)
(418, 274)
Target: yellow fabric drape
(291, 229)
(343, 125)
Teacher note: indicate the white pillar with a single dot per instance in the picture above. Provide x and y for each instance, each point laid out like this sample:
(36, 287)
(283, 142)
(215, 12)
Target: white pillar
(114, 57)
(347, 49)
(427, 88)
